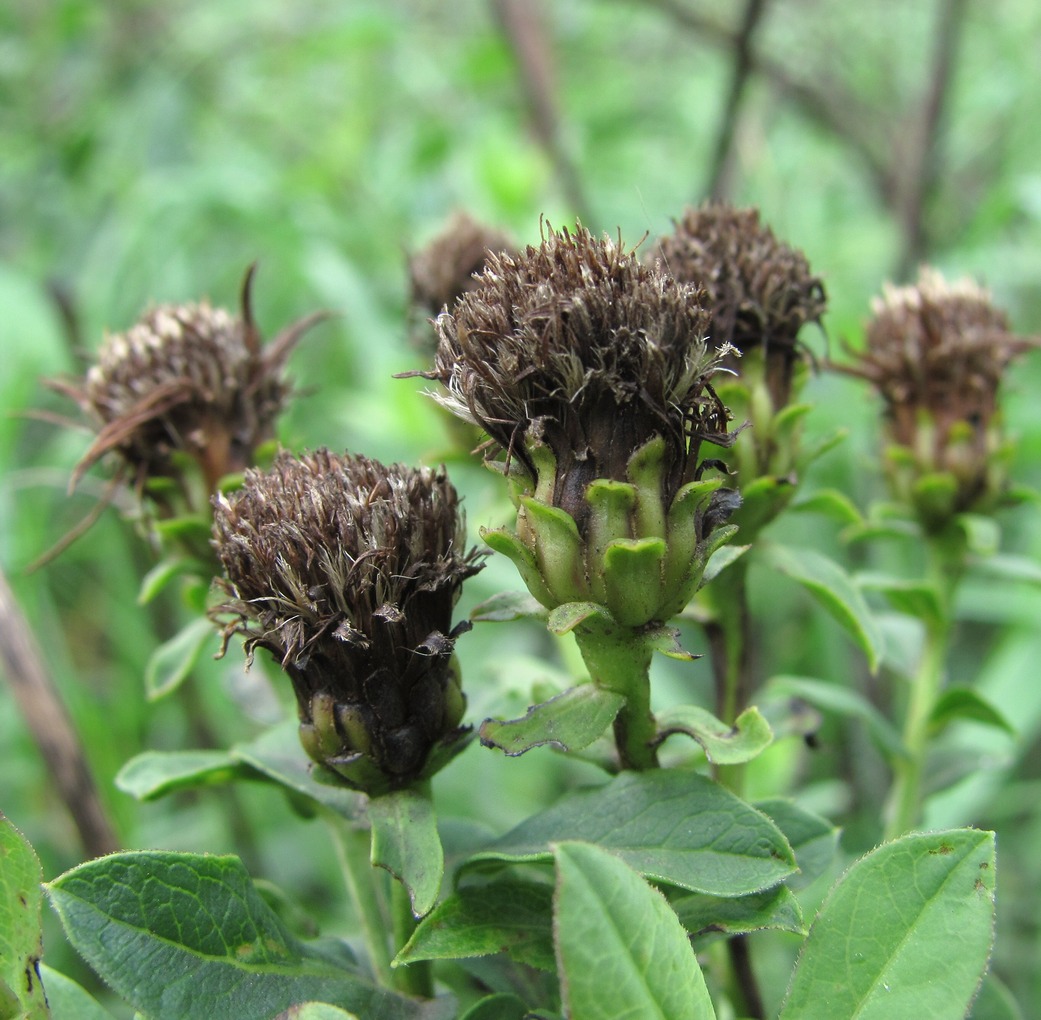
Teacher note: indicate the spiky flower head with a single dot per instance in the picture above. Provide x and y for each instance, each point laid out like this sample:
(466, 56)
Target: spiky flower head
(187, 381)
(761, 291)
(442, 271)
(347, 572)
(591, 371)
(936, 352)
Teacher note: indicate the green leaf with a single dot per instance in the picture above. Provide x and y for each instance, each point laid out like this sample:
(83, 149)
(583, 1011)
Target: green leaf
(622, 951)
(507, 606)
(316, 1011)
(982, 533)
(672, 825)
(813, 838)
(406, 843)
(21, 945)
(775, 908)
(829, 697)
(173, 660)
(154, 774)
(500, 1006)
(68, 1000)
(964, 703)
(566, 617)
(906, 932)
(633, 578)
(721, 559)
(506, 915)
(277, 755)
(834, 590)
(831, 503)
(919, 599)
(182, 935)
(1009, 567)
(723, 744)
(570, 721)
(165, 571)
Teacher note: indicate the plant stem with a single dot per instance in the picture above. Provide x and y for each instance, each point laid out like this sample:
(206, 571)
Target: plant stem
(352, 847)
(945, 566)
(619, 660)
(414, 978)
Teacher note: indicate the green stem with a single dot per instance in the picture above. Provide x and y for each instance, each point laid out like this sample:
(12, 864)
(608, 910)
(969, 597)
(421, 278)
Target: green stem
(353, 850)
(414, 978)
(903, 811)
(619, 660)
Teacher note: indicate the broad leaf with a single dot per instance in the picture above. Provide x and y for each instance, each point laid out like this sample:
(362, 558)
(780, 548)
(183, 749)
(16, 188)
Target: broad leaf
(621, 950)
(406, 843)
(834, 590)
(705, 916)
(906, 932)
(814, 839)
(672, 825)
(155, 774)
(723, 744)
(21, 946)
(182, 935)
(570, 721)
(507, 915)
(169, 665)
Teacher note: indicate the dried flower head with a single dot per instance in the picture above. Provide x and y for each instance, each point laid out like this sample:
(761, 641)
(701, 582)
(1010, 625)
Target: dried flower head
(347, 572)
(444, 270)
(936, 352)
(185, 380)
(761, 292)
(592, 373)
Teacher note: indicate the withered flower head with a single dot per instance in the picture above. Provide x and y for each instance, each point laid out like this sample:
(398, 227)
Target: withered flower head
(936, 352)
(347, 572)
(761, 292)
(443, 271)
(190, 380)
(592, 373)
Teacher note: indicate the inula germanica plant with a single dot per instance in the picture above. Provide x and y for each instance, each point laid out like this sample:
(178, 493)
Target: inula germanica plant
(347, 572)
(591, 375)
(614, 406)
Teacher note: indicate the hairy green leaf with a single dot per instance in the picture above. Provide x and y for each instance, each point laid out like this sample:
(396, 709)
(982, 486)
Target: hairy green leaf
(405, 842)
(21, 944)
(723, 744)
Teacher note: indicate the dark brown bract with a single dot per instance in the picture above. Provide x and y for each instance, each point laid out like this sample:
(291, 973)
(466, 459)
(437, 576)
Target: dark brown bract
(347, 572)
(576, 348)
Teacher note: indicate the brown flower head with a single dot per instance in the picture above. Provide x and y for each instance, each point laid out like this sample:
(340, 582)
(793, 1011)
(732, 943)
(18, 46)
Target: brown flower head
(936, 352)
(185, 380)
(347, 572)
(592, 373)
(444, 270)
(761, 292)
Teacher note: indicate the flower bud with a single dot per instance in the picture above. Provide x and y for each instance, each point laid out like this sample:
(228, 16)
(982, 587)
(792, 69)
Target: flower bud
(591, 373)
(936, 352)
(347, 572)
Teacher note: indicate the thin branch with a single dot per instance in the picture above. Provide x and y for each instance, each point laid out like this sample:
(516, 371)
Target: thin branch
(525, 33)
(48, 721)
(720, 169)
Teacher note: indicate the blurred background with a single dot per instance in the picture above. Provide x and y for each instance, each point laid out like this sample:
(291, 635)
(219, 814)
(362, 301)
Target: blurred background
(151, 152)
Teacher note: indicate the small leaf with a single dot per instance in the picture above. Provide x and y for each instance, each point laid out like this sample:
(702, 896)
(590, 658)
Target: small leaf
(672, 825)
(831, 503)
(775, 908)
(964, 703)
(155, 774)
(507, 606)
(621, 950)
(982, 533)
(68, 1000)
(165, 571)
(832, 587)
(406, 843)
(500, 1006)
(919, 599)
(570, 721)
(181, 935)
(843, 701)
(814, 839)
(173, 660)
(723, 744)
(565, 618)
(1009, 567)
(506, 915)
(906, 932)
(721, 559)
(633, 578)
(21, 943)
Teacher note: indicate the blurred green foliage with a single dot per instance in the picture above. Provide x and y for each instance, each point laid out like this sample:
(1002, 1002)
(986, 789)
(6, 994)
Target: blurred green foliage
(152, 151)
